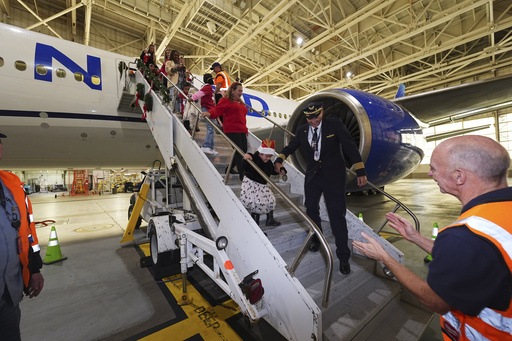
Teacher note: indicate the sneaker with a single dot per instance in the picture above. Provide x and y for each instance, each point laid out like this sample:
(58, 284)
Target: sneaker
(207, 150)
(214, 152)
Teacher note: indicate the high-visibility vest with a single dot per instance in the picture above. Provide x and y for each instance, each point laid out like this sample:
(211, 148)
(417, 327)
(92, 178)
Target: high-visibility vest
(492, 222)
(27, 230)
(222, 77)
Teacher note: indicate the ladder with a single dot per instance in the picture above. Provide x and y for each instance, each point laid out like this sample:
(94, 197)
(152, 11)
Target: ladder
(80, 185)
(294, 300)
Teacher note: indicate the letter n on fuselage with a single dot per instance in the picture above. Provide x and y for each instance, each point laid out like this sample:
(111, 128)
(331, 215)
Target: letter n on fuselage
(44, 55)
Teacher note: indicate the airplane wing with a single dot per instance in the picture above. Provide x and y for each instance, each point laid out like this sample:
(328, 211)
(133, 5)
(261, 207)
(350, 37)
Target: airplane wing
(460, 101)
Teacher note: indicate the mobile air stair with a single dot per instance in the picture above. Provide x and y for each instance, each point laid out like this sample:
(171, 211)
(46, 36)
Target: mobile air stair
(305, 296)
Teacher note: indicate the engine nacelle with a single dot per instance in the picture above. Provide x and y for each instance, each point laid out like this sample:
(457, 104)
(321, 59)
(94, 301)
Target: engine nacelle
(390, 140)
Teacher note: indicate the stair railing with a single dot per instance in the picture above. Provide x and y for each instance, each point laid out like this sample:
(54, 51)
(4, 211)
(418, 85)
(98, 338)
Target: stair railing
(313, 228)
(398, 205)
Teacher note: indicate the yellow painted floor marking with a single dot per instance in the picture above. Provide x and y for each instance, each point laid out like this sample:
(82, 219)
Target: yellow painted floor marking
(208, 321)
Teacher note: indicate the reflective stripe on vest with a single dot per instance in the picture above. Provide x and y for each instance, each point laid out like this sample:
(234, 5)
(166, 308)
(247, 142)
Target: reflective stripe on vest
(497, 232)
(490, 322)
(226, 82)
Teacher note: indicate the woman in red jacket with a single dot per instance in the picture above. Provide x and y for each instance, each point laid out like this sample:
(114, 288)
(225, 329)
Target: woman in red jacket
(234, 112)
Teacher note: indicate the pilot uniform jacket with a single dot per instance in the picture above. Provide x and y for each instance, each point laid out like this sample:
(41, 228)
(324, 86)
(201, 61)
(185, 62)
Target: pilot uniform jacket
(327, 175)
(29, 253)
(332, 161)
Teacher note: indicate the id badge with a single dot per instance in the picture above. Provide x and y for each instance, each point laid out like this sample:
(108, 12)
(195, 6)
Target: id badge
(317, 155)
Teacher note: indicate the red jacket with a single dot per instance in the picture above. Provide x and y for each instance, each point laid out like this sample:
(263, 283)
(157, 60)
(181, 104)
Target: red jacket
(234, 115)
(27, 231)
(206, 95)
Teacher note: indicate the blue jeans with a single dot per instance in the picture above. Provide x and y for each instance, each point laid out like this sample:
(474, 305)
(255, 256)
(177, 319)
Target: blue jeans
(209, 141)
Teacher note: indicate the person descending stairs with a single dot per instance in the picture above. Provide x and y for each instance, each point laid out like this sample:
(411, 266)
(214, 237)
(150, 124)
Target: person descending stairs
(255, 195)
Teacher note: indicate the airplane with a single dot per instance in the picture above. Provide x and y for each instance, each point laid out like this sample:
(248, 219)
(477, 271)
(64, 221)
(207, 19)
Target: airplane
(61, 109)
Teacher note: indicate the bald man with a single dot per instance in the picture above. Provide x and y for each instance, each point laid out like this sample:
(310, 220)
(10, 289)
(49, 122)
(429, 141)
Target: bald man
(470, 278)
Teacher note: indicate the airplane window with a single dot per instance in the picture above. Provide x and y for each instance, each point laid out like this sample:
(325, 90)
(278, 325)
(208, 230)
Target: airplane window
(1, 62)
(275, 115)
(79, 77)
(95, 80)
(61, 73)
(285, 116)
(22, 66)
(280, 115)
(41, 69)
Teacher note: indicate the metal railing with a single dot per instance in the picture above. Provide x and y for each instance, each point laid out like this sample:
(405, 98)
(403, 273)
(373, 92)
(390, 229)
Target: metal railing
(313, 228)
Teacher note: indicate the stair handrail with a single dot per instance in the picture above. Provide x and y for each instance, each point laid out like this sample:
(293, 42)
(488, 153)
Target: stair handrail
(274, 124)
(398, 205)
(313, 227)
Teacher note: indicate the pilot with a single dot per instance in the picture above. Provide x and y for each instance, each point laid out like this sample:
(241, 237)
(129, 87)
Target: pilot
(320, 140)
(19, 253)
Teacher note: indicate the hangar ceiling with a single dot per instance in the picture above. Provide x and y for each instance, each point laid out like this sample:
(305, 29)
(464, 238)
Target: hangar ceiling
(426, 44)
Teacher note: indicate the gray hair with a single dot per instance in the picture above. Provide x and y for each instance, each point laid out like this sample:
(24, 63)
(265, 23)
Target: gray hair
(482, 156)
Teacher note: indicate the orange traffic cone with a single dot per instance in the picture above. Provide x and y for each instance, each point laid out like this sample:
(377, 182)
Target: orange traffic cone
(53, 253)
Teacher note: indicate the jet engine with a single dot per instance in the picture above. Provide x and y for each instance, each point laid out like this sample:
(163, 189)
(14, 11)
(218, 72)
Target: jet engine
(390, 140)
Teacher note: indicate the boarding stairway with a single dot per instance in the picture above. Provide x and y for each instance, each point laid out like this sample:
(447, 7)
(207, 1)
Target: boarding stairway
(306, 297)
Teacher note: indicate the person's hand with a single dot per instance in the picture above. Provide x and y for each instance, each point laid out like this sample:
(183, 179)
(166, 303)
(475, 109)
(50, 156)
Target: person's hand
(402, 226)
(279, 168)
(205, 114)
(247, 157)
(362, 180)
(372, 249)
(36, 285)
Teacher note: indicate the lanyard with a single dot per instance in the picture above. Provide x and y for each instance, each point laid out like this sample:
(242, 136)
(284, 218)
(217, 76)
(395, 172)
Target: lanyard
(13, 215)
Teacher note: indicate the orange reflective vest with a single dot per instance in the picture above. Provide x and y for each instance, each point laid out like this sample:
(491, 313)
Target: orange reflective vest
(492, 222)
(27, 230)
(222, 77)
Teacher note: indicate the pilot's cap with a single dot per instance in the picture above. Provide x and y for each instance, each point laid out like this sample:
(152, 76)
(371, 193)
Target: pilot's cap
(215, 64)
(313, 109)
(2, 136)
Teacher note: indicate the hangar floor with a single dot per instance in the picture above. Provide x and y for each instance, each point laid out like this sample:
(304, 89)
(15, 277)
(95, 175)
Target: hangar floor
(101, 293)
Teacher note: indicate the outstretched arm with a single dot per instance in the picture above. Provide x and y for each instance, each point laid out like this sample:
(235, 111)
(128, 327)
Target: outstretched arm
(407, 278)
(409, 232)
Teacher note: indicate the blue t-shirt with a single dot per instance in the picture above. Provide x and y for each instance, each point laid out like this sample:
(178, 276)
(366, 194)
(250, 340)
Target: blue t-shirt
(468, 271)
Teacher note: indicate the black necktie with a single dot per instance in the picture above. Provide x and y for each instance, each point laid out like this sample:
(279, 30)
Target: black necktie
(314, 140)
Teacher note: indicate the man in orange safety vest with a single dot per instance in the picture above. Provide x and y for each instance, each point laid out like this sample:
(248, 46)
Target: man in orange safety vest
(19, 253)
(469, 281)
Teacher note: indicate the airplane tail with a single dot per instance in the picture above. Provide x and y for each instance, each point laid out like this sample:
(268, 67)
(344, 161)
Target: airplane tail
(401, 91)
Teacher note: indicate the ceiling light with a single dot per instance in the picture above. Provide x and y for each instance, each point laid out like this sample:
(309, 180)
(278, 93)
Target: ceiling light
(349, 74)
(242, 4)
(211, 27)
(300, 41)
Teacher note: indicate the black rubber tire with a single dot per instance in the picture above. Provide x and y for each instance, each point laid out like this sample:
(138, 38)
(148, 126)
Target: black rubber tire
(139, 221)
(158, 259)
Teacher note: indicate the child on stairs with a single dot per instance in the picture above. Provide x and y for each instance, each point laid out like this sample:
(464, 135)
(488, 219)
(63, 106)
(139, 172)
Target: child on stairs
(255, 195)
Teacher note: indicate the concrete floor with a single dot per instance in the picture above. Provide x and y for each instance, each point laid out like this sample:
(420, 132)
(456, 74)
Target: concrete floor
(101, 293)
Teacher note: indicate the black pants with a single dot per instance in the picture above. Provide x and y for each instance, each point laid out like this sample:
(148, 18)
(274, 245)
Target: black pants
(334, 195)
(240, 139)
(10, 317)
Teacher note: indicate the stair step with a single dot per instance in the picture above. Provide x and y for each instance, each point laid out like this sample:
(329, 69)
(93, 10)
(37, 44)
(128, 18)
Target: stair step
(399, 320)
(361, 305)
